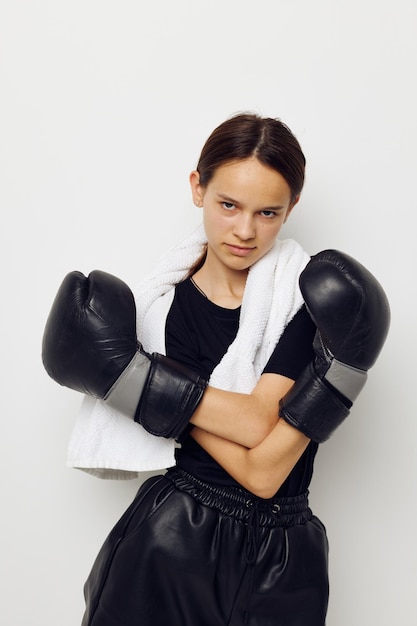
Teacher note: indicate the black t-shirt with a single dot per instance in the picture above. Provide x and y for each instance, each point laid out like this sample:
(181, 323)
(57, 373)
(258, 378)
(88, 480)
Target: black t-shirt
(198, 333)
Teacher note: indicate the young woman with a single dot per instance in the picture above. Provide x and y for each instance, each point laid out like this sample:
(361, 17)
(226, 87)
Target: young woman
(226, 535)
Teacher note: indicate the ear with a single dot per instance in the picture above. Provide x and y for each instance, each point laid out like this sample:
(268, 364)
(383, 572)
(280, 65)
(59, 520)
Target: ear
(197, 191)
(290, 208)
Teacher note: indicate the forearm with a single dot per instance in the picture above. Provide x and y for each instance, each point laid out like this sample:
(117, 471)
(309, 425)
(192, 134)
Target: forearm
(245, 419)
(264, 468)
(240, 418)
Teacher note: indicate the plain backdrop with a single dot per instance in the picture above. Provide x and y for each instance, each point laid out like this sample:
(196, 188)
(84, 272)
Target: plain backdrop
(104, 107)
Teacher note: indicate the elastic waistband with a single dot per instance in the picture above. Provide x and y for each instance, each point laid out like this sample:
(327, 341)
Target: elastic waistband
(241, 504)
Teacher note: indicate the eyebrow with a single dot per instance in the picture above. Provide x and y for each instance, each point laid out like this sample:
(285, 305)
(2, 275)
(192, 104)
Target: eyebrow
(225, 198)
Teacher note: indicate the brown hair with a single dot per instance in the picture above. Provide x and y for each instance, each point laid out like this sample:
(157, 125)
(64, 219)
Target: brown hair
(247, 134)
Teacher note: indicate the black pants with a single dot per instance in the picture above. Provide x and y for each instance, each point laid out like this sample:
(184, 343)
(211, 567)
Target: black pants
(190, 554)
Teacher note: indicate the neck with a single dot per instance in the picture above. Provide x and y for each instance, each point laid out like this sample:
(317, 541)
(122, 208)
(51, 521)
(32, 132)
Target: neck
(221, 285)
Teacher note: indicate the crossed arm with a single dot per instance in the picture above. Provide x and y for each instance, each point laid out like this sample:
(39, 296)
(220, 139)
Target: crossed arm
(245, 435)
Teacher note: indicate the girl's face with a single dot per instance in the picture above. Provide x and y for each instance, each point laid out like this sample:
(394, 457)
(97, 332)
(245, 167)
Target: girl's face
(245, 205)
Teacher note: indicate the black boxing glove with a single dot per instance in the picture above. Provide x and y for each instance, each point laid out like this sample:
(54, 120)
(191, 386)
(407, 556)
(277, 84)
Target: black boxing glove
(351, 312)
(90, 345)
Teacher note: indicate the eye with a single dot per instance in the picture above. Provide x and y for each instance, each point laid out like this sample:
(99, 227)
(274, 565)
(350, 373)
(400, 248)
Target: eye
(229, 206)
(268, 213)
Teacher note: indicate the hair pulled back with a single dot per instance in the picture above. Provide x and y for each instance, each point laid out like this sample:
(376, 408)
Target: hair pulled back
(247, 134)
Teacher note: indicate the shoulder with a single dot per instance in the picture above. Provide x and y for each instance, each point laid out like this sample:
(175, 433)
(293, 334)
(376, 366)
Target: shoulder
(295, 347)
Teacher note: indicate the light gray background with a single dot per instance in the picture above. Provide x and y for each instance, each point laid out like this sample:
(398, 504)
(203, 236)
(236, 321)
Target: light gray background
(104, 108)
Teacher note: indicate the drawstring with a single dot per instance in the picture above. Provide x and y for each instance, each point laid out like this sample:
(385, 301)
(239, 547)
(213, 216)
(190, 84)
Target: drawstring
(253, 539)
(251, 547)
(253, 526)
(252, 532)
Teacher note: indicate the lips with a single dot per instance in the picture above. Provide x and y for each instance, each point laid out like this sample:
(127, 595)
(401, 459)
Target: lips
(239, 250)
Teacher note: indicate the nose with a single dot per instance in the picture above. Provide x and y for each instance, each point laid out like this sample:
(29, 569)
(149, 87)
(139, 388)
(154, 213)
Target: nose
(244, 227)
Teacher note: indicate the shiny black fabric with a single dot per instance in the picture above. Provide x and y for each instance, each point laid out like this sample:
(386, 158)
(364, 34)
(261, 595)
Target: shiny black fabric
(190, 554)
(348, 306)
(90, 334)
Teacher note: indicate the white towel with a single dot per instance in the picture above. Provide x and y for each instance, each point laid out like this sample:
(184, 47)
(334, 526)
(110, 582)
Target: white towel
(106, 443)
